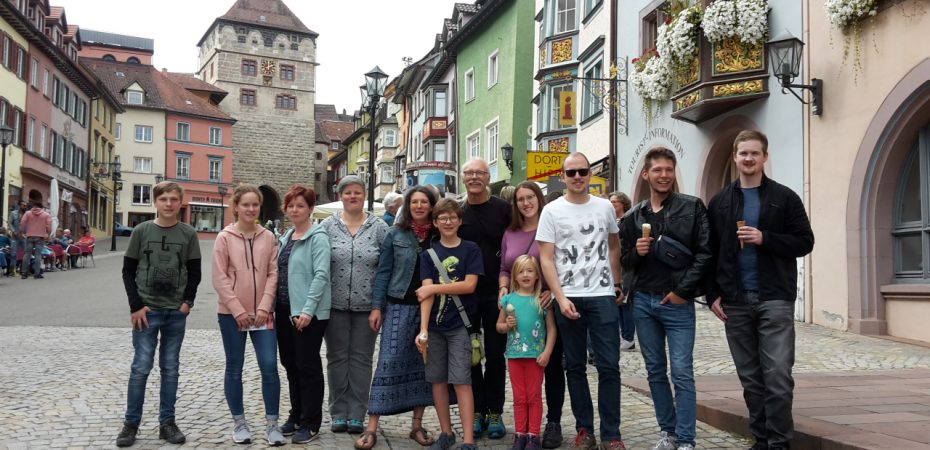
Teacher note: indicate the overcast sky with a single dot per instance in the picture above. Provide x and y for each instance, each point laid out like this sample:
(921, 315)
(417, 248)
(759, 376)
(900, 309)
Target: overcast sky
(355, 35)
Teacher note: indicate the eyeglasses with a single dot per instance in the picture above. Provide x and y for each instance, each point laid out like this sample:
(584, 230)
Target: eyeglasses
(475, 173)
(570, 173)
(447, 219)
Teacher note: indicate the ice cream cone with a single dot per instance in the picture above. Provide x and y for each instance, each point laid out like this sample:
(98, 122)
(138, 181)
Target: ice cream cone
(424, 339)
(740, 224)
(647, 230)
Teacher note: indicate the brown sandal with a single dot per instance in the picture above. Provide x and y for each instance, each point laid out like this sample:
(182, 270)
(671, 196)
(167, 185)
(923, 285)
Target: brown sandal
(360, 443)
(421, 436)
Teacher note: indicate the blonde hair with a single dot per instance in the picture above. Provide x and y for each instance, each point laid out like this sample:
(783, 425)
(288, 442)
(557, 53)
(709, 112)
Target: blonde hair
(518, 265)
(241, 190)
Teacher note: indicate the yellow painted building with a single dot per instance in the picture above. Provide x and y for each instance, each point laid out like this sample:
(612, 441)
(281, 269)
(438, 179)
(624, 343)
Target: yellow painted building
(102, 154)
(12, 110)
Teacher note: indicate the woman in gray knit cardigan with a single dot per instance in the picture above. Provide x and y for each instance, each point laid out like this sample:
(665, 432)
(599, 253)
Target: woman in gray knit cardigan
(356, 238)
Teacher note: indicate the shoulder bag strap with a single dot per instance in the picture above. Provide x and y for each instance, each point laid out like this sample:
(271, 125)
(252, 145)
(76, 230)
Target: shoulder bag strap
(444, 276)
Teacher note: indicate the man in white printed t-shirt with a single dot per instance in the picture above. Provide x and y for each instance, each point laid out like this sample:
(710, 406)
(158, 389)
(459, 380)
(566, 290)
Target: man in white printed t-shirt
(579, 251)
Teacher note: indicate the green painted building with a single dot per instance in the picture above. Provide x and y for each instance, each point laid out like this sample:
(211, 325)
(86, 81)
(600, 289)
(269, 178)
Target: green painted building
(494, 82)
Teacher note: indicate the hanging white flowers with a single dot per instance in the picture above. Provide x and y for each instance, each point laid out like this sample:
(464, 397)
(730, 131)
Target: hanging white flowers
(678, 41)
(652, 81)
(846, 13)
(746, 20)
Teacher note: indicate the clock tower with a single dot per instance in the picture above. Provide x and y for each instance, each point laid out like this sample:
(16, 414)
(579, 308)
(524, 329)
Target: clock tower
(265, 57)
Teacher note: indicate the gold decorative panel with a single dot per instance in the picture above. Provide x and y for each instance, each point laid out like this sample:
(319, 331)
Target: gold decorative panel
(741, 88)
(689, 74)
(559, 145)
(732, 56)
(542, 57)
(688, 100)
(562, 51)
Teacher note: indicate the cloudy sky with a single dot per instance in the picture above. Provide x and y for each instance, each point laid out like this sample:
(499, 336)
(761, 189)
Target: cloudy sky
(355, 35)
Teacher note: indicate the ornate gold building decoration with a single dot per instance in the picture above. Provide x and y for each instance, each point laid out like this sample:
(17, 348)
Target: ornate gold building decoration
(542, 57)
(689, 74)
(741, 88)
(562, 51)
(732, 56)
(559, 145)
(688, 100)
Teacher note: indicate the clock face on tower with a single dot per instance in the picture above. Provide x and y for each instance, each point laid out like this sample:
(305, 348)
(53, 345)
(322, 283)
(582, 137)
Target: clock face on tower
(268, 67)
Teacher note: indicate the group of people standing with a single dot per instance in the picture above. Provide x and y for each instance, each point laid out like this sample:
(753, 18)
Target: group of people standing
(537, 284)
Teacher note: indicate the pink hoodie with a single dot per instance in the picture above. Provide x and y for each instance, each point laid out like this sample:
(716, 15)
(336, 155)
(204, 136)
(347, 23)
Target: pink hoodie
(245, 272)
(36, 223)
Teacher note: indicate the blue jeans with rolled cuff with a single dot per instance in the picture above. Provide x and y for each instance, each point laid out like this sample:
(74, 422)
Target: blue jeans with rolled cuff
(169, 325)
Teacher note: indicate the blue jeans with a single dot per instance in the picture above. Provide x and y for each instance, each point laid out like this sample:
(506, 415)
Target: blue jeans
(657, 323)
(599, 317)
(627, 324)
(33, 248)
(265, 343)
(170, 324)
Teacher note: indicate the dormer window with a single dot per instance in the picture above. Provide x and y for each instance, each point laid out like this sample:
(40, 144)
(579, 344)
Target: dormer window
(135, 97)
(133, 60)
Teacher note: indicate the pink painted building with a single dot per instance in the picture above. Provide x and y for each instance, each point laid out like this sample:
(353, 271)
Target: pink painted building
(198, 150)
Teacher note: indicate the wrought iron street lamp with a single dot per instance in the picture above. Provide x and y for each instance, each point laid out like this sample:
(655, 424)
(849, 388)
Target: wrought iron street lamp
(117, 174)
(507, 153)
(611, 92)
(159, 178)
(6, 137)
(375, 81)
(785, 52)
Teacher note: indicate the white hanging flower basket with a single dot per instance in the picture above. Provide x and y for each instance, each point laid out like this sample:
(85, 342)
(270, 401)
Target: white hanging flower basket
(745, 20)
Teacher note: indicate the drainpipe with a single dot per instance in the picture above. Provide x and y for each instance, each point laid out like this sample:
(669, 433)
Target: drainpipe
(612, 141)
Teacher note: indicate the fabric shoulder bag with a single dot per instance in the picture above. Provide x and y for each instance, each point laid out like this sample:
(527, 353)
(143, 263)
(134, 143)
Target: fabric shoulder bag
(477, 353)
(672, 253)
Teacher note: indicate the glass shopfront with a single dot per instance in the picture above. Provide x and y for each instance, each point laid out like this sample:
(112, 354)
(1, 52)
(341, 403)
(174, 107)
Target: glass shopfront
(207, 218)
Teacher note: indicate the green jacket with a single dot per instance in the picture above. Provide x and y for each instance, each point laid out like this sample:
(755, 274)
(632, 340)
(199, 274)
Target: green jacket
(308, 273)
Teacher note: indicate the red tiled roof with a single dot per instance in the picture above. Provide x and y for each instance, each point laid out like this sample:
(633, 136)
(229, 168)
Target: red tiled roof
(275, 12)
(336, 131)
(55, 12)
(117, 76)
(180, 100)
(72, 30)
(190, 82)
(324, 112)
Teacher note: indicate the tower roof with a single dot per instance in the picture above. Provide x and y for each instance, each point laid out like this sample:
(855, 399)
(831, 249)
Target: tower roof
(266, 13)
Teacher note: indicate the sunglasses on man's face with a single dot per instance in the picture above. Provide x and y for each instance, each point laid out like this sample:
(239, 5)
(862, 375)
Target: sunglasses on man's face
(572, 172)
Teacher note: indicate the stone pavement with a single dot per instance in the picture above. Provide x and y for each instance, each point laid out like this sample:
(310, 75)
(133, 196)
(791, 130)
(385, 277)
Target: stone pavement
(64, 387)
(851, 391)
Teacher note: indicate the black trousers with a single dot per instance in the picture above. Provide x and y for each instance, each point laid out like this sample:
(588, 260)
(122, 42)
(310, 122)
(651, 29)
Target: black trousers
(761, 339)
(555, 381)
(300, 356)
(488, 385)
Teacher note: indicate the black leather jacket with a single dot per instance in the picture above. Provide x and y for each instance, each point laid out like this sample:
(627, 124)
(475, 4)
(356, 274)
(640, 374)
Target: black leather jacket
(686, 222)
(786, 236)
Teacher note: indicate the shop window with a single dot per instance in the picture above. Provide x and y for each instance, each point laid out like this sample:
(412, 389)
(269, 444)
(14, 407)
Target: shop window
(911, 230)
(206, 218)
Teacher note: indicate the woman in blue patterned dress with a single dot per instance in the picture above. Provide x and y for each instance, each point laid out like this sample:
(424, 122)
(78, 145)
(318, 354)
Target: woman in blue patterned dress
(399, 384)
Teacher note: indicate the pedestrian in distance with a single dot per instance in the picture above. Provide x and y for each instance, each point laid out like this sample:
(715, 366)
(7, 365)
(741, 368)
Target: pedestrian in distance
(36, 226)
(484, 221)
(663, 291)
(245, 274)
(579, 253)
(531, 333)
(399, 384)
(449, 271)
(622, 203)
(302, 306)
(355, 236)
(758, 230)
(392, 204)
(161, 272)
(520, 239)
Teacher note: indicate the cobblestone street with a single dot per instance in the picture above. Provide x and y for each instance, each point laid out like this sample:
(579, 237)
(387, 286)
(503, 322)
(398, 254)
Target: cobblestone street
(65, 387)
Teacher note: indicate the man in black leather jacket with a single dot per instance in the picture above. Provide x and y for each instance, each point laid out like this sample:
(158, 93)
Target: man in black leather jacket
(753, 285)
(662, 295)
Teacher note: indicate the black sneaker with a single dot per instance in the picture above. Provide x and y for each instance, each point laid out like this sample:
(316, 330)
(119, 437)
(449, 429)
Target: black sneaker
(171, 433)
(552, 435)
(304, 434)
(127, 435)
(289, 427)
(39, 276)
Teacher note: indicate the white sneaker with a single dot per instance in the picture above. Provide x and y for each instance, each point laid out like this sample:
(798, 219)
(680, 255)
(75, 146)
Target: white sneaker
(241, 433)
(626, 345)
(666, 442)
(273, 434)
(685, 447)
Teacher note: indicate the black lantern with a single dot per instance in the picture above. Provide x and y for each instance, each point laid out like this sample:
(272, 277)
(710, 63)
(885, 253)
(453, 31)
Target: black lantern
(375, 80)
(785, 53)
(372, 90)
(159, 178)
(364, 91)
(507, 152)
(6, 138)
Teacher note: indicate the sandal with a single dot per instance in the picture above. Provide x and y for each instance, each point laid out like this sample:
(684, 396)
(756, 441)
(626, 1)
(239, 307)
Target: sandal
(360, 443)
(421, 436)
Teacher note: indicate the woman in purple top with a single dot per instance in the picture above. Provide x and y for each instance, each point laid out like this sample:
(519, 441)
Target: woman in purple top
(520, 239)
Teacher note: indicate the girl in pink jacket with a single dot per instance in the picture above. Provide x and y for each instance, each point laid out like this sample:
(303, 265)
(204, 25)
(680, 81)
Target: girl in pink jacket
(245, 275)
